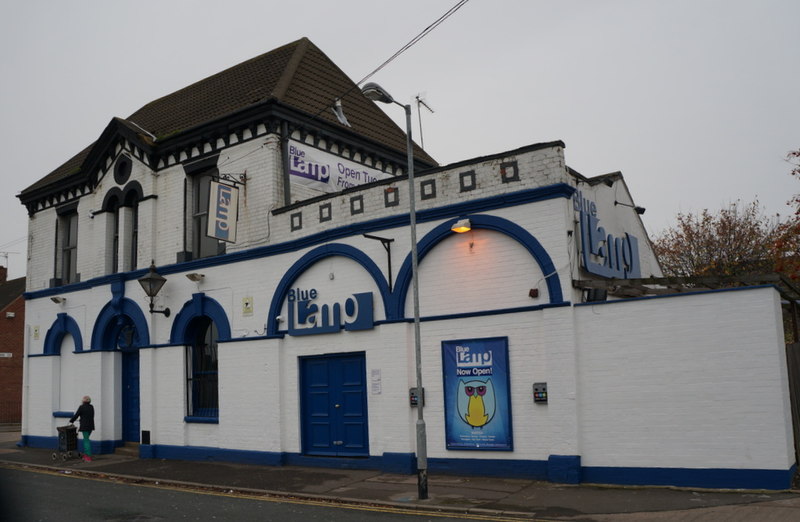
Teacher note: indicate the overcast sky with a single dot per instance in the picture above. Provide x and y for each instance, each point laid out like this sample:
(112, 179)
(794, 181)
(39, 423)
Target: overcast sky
(697, 102)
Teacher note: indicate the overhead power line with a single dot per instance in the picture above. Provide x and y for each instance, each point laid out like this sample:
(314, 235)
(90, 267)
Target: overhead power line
(403, 49)
(416, 39)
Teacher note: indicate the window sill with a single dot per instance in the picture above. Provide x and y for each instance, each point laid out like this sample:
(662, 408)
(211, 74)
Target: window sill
(201, 420)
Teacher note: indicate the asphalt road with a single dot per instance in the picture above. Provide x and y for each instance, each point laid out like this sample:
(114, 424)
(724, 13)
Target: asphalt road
(27, 496)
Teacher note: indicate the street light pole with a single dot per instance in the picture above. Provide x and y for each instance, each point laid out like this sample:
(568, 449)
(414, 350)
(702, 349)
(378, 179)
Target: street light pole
(375, 92)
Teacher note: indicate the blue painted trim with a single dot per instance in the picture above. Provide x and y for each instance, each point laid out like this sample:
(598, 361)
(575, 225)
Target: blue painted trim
(529, 469)
(100, 447)
(201, 453)
(482, 313)
(504, 226)
(753, 479)
(686, 477)
(32, 355)
(365, 462)
(278, 335)
(309, 259)
(564, 469)
(63, 414)
(558, 190)
(681, 294)
(405, 463)
(63, 325)
(201, 420)
(109, 322)
(199, 306)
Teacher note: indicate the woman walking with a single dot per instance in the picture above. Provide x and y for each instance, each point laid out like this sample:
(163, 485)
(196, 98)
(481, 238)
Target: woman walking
(86, 414)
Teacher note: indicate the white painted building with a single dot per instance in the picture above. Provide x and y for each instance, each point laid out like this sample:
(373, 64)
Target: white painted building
(292, 342)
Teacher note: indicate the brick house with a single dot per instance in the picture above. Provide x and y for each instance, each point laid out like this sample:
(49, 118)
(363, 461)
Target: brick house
(273, 201)
(12, 341)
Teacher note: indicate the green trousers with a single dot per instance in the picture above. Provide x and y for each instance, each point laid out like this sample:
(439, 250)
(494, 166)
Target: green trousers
(87, 446)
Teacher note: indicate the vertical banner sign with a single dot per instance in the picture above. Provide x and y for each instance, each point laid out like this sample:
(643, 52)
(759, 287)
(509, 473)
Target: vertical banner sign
(477, 398)
(223, 209)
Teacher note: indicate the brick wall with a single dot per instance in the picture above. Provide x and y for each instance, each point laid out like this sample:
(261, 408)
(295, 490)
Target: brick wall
(12, 338)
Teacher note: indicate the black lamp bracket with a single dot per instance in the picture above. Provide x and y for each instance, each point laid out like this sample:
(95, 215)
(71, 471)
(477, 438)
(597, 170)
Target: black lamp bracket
(235, 177)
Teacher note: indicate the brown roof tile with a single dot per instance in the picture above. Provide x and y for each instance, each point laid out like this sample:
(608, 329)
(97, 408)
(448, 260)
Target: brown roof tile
(297, 74)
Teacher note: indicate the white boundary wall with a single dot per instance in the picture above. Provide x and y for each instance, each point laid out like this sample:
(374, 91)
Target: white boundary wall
(693, 381)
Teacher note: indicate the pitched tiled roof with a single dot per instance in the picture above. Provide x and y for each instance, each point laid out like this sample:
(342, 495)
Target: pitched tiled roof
(298, 75)
(10, 290)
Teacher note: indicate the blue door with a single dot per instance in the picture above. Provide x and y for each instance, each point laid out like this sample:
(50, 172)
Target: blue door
(334, 405)
(130, 396)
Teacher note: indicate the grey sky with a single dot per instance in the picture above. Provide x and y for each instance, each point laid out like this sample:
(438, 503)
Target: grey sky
(695, 101)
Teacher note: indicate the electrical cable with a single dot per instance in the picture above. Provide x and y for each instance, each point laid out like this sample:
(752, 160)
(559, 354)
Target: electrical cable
(416, 39)
(403, 49)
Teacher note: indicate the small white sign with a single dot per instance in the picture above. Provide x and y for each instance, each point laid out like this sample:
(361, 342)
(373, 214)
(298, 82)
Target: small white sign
(5, 355)
(375, 381)
(247, 306)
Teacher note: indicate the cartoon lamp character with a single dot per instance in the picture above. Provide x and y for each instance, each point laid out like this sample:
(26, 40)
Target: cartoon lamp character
(476, 403)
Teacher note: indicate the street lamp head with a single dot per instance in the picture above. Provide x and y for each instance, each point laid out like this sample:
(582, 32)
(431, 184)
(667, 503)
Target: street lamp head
(375, 92)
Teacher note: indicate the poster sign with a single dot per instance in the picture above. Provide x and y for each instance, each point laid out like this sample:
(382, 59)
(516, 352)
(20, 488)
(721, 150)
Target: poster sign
(327, 172)
(477, 399)
(223, 209)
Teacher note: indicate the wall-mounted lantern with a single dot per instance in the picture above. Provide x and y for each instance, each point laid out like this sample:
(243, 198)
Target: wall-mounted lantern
(461, 226)
(151, 284)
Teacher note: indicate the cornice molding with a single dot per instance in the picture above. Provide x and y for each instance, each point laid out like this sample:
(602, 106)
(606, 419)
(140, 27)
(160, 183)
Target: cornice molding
(210, 138)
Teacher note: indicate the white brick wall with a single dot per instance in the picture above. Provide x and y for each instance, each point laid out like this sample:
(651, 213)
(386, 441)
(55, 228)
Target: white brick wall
(697, 381)
(693, 381)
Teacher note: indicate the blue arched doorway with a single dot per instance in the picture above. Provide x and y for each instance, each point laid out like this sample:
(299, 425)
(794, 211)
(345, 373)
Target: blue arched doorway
(121, 326)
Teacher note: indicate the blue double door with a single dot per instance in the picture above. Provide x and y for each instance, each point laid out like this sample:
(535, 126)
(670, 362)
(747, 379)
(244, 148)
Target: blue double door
(334, 405)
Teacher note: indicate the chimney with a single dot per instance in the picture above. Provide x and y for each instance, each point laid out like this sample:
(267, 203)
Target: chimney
(3, 274)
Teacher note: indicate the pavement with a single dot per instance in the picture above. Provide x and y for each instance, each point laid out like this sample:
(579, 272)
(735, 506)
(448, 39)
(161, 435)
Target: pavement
(448, 494)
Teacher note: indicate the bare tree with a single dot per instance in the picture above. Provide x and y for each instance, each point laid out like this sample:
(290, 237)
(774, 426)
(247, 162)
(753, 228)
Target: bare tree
(737, 240)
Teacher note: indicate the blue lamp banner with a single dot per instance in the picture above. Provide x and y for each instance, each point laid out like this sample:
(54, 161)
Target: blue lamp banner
(477, 398)
(223, 210)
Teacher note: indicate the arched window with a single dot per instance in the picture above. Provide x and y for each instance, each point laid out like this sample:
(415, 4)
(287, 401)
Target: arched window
(113, 217)
(132, 202)
(202, 370)
(111, 207)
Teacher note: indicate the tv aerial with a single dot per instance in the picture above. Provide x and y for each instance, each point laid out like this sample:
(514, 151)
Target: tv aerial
(420, 98)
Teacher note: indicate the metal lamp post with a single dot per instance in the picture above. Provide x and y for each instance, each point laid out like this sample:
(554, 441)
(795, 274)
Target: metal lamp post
(375, 92)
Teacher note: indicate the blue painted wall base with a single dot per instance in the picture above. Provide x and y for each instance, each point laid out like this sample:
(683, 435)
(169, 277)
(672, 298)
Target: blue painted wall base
(693, 478)
(565, 469)
(99, 447)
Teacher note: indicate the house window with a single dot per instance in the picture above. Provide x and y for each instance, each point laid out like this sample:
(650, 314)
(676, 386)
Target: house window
(113, 238)
(67, 248)
(134, 243)
(201, 370)
(132, 231)
(202, 245)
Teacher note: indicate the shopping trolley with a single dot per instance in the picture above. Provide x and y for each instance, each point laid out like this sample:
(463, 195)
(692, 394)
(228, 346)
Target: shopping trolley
(67, 443)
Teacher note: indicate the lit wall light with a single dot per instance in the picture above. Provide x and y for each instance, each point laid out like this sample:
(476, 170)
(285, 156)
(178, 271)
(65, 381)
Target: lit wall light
(461, 226)
(194, 276)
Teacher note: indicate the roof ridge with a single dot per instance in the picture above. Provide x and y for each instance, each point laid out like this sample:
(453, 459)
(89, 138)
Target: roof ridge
(208, 78)
(291, 68)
